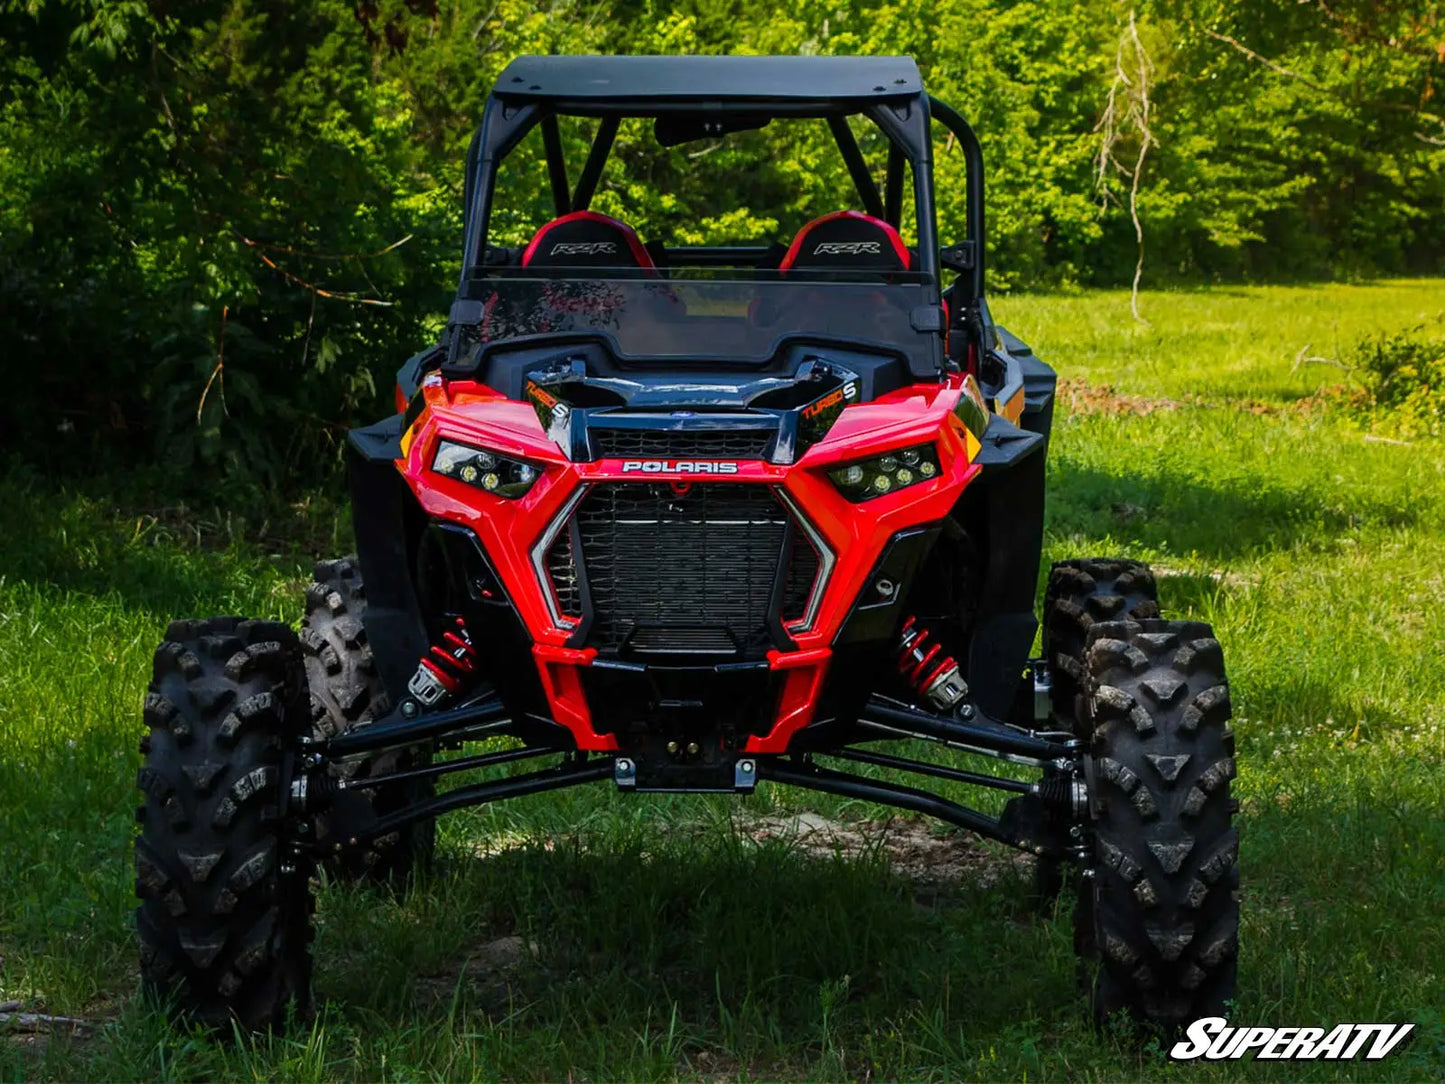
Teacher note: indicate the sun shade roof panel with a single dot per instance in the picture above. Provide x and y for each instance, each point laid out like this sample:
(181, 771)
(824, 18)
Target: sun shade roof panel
(682, 79)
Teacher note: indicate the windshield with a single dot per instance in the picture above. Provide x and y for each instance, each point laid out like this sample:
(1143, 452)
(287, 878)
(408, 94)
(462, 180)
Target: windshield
(709, 320)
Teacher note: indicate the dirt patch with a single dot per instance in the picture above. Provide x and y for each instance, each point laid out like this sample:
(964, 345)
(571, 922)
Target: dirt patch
(30, 1030)
(1220, 576)
(1082, 397)
(489, 973)
(912, 848)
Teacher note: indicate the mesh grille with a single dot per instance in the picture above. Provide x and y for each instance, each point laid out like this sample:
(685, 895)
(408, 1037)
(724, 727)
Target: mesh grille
(669, 571)
(680, 444)
(802, 573)
(562, 567)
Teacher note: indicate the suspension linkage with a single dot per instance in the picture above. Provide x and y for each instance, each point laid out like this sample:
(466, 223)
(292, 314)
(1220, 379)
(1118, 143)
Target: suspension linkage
(569, 773)
(400, 729)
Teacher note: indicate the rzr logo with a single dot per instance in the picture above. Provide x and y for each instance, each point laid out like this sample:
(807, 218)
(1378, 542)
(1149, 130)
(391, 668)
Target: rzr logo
(681, 466)
(584, 248)
(848, 248)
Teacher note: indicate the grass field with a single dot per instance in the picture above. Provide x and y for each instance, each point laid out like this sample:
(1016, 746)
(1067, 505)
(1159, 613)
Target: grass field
(588, 936)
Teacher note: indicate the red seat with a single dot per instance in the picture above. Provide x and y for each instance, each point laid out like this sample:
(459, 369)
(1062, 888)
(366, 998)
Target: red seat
(586, 239)
(847, 241)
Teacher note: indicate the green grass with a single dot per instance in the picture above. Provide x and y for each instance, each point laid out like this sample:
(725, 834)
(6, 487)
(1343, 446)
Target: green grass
(670, 942)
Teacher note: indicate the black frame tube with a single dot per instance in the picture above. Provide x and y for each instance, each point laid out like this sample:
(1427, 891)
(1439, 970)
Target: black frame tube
(397, 729)
(857, 167)
(989, 735)
(556, 164)
(812, 777)
(570, 774)
(953, 120)
(920, 767)
(893, 187)
(596, 161)
(447, 767)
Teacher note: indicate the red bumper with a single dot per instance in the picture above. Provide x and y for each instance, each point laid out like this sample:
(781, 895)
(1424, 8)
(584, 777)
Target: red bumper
(511, 531)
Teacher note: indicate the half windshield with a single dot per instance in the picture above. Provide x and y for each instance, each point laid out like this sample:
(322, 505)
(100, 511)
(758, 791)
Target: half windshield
(645, 318)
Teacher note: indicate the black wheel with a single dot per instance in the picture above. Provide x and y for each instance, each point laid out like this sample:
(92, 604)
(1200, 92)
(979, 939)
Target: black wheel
(1079, 593)
(224, 918)
(1160, 910)
(346, 693)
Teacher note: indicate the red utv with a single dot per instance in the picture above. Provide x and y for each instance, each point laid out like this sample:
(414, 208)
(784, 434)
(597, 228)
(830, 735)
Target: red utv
(681, 518)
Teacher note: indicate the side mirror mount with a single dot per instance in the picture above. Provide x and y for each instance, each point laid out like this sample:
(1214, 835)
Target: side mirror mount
(958, 257)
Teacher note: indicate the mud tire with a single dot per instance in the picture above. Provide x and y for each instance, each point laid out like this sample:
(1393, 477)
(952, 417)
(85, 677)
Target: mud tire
(1161, 911)
(1080, 593)
(346, 693)
(225, 912)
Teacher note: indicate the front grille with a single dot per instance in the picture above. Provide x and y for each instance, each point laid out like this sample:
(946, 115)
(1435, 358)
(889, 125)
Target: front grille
(681, 572)
(802, 574)
(680, 640)
(566, 584)
(680, 443)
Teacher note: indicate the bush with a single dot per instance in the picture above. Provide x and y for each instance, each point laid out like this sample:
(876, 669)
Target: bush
(1404, 378)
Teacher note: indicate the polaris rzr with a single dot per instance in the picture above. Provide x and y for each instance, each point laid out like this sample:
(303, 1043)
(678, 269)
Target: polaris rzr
(693, 519)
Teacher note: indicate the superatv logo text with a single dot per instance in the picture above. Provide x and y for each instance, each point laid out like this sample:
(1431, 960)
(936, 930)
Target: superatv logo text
(584, 248)
(681, 466)
(1212, 1038)
(848, 248)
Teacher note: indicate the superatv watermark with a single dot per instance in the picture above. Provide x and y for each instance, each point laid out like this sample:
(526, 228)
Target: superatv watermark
(681, 466)
(1212, 1038)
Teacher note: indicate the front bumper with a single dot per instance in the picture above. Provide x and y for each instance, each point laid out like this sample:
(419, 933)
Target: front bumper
(670, 603)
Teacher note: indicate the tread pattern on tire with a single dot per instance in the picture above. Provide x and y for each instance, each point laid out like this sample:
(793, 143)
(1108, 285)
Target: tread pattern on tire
(1081, 593)
(1163, 907)
(220, 926)
(346, 692)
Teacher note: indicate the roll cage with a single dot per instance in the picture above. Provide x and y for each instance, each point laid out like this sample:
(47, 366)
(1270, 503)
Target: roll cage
(708, 96)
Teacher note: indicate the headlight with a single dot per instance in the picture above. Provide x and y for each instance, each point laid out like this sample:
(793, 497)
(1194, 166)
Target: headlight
(869, 478)
(488, 471)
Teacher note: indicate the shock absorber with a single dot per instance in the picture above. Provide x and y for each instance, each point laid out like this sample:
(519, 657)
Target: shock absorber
(445, 668)
(929, 670)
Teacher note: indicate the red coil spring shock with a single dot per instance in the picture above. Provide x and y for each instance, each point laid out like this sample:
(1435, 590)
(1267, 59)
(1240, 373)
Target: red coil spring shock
(930, 671)
(445, 668)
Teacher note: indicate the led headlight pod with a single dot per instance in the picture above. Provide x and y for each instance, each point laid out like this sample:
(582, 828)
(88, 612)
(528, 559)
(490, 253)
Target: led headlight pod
(887, 473)
(487, 471)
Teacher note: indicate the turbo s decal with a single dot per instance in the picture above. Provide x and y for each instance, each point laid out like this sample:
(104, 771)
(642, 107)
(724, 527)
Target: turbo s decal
(549, 408)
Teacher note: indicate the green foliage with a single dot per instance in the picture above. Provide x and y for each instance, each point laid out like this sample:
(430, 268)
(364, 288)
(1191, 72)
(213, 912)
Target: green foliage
(697, 937)
(224, 225)
(1404, 377)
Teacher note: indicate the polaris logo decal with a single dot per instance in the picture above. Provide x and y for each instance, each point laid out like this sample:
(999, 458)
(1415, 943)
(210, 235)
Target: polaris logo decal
(1215, 1040)
(680, 466)
(584, 248)
(848, 248)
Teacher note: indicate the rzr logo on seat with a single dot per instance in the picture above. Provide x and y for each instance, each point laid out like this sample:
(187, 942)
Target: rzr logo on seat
(681, 466)
(848, 248)
(584, 248)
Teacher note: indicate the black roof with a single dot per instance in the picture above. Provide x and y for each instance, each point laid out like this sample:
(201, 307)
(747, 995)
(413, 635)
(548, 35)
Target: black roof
(597, 79)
